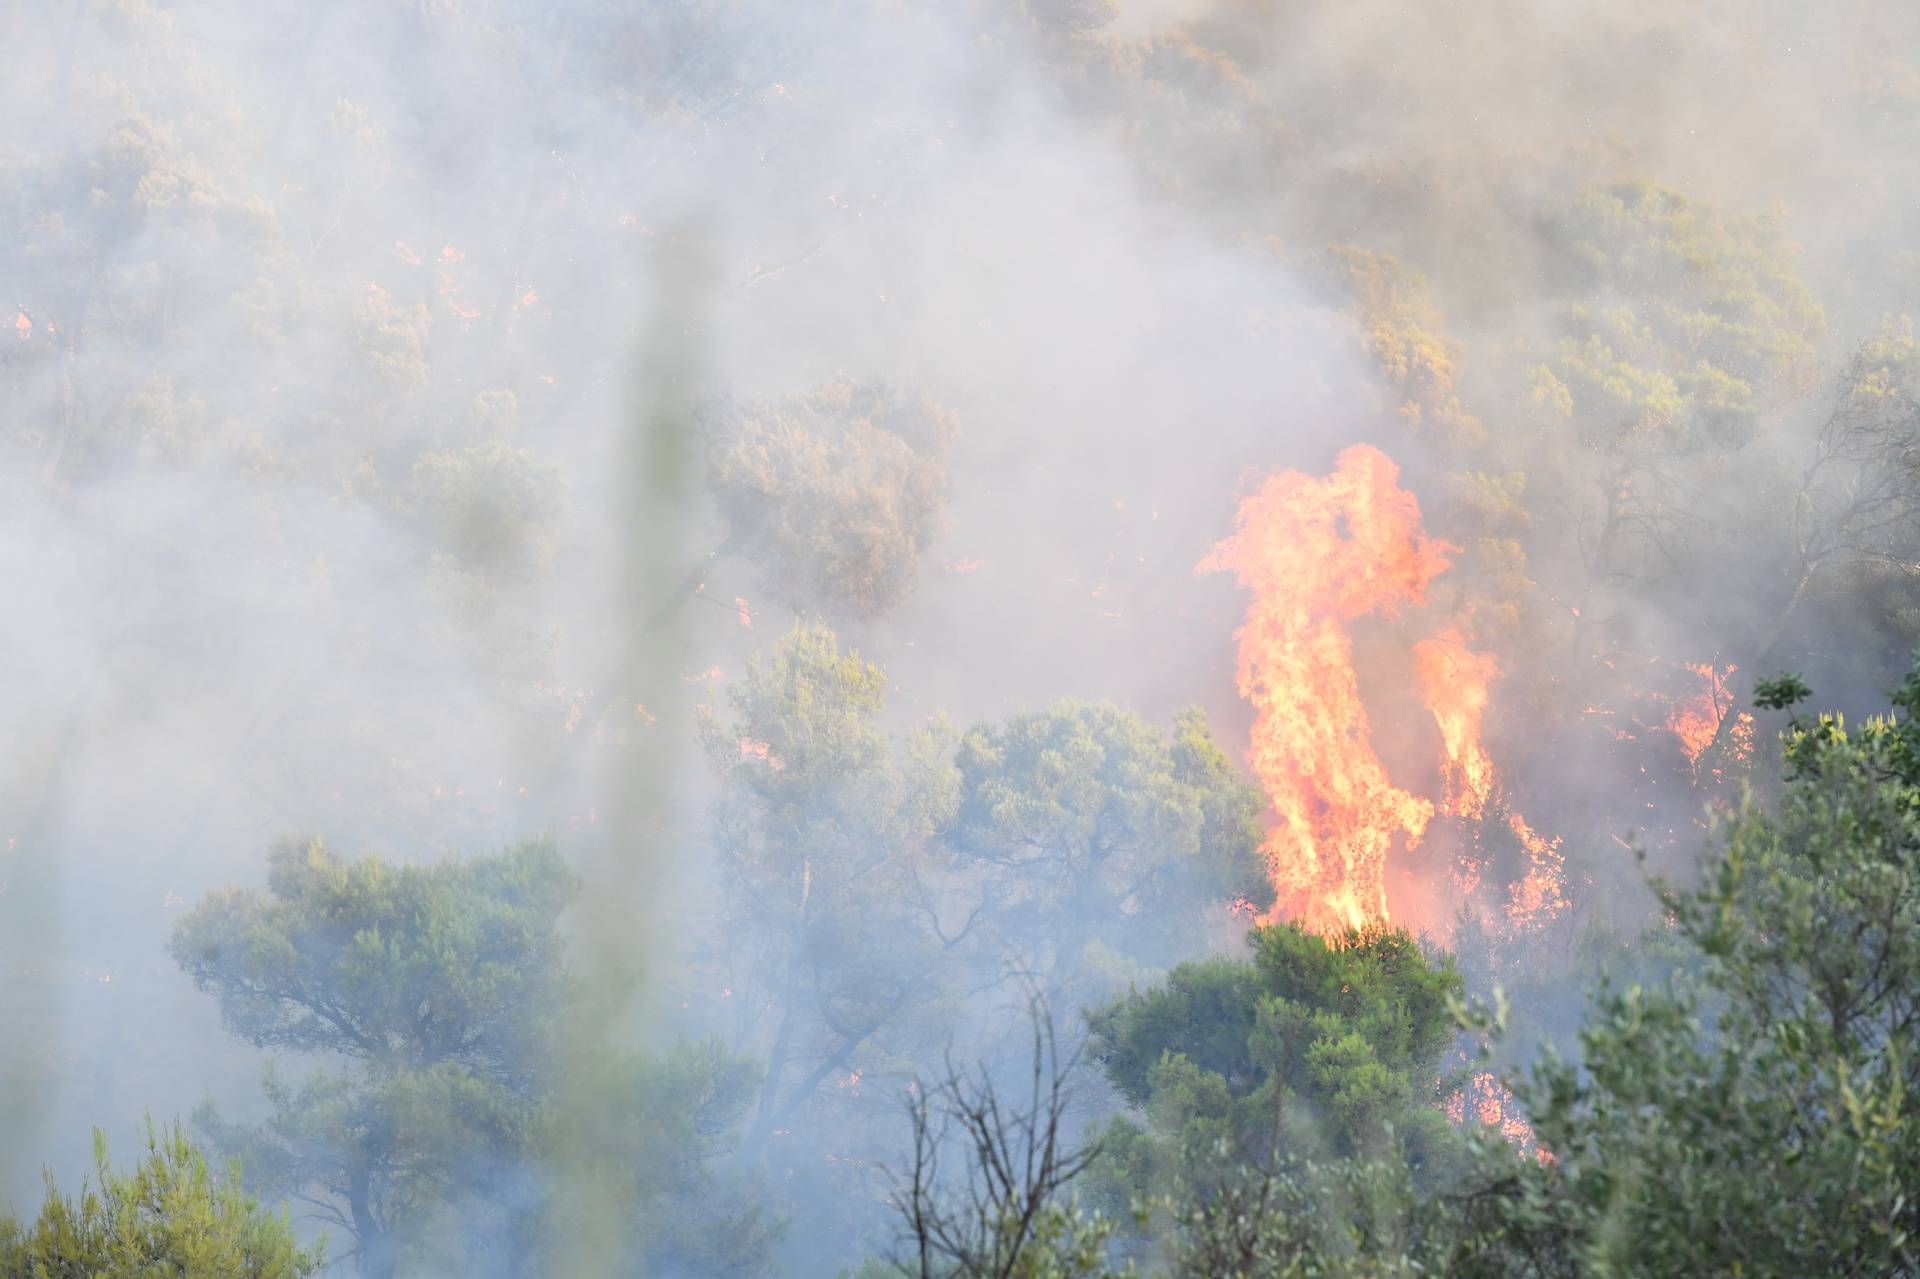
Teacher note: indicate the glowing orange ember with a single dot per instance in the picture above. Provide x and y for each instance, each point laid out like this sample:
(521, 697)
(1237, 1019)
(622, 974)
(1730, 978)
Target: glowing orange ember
(1318, 554)
(1696, 720)
(754, 748)
(1741, 738)
(1487, 1101)
(1540, 895)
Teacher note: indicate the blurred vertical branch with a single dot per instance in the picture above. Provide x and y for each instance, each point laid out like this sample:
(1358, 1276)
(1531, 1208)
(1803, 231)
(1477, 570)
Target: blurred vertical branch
(32, 947)
(621, 913)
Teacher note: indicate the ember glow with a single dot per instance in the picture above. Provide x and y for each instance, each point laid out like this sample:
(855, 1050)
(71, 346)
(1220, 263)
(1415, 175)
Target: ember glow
(1540, 895)
(1488, 1102)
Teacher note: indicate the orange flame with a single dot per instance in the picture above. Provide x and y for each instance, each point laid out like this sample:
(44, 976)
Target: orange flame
(1696, 720)
(1455, 681)
(1318, 554)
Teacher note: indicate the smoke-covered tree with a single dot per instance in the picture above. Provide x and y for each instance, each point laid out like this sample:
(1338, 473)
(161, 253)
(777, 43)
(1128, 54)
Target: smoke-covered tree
(1684, 332)
(169, 1215)
(839, 937)
(1683, 325)
(1101, 845)
(834, 494)
(1406, 336)
(831, 495)
(662, 1145)
(1855, 515)
(1315, 1047)
(434, 994)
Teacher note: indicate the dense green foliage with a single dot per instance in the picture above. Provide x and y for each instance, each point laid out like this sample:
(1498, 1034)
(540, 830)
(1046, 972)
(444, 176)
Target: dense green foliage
(1313, 1047)
(1752, 1114)
(169, 1215)
(352, 370)
(1103, 840)
(1759, 1118)
(440, 988)
(439, 996)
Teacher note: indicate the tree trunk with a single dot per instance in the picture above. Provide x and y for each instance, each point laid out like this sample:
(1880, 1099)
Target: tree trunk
(378, 1253)
(1742, 683)
(769, 1091)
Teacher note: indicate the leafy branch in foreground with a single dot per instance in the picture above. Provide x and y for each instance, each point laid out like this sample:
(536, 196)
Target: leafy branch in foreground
(170, 1215)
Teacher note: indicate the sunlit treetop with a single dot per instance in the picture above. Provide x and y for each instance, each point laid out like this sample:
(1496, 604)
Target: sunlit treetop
(397, 966)
(1682, 326)
(170, 1215)
(1406, 335)
(1315, 1046)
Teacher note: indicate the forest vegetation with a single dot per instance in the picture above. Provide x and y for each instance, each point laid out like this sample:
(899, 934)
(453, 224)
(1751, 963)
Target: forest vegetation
(1044, 639)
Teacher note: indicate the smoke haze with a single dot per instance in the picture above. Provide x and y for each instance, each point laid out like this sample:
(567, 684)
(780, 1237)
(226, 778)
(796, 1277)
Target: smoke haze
(331, 338)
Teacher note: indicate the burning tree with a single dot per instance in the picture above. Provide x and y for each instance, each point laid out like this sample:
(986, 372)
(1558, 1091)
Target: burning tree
(1319, 555)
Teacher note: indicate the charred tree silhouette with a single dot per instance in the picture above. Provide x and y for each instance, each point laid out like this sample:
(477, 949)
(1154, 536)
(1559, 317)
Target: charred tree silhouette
(1017, 1163)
